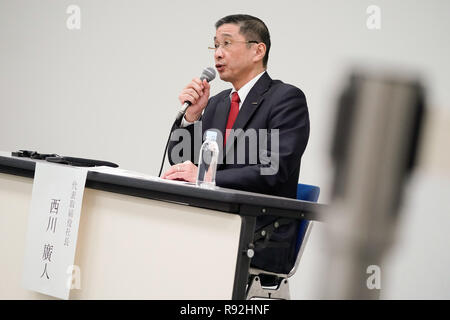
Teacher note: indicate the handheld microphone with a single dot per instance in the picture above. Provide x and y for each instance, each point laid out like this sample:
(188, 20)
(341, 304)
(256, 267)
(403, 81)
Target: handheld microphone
(208, 74)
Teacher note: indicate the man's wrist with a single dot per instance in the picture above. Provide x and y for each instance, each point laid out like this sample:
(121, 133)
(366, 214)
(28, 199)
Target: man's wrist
(191, 118)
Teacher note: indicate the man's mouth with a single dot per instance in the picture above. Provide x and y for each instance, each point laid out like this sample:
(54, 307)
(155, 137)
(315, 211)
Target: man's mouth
(220, 67)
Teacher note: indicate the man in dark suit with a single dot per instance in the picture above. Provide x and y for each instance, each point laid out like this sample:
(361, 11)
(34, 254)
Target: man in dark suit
(275, 114)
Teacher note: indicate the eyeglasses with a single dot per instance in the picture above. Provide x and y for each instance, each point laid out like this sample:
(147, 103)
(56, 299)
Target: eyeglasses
(228, 43)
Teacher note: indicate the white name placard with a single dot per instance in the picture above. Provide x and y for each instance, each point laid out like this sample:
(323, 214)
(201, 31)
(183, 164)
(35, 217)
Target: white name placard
(53, 228)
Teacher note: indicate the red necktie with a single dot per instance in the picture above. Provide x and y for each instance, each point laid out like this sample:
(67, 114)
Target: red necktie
(234, 110)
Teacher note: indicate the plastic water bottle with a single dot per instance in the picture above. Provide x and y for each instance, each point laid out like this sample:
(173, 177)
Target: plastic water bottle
(207, 163)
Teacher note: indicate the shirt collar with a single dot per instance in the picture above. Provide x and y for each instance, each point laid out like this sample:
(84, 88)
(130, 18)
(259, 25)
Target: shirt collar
(243, 92)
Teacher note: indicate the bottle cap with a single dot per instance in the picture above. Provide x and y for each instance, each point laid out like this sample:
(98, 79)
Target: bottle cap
(211, 135)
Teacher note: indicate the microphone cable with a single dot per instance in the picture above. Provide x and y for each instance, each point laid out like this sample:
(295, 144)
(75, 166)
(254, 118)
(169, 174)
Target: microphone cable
(165, 152)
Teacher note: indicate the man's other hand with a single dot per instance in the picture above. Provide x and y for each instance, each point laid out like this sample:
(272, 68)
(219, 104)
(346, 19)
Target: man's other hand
(186, 171)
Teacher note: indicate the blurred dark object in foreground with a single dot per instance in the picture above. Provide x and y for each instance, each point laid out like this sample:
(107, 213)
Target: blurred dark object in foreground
(377, 134)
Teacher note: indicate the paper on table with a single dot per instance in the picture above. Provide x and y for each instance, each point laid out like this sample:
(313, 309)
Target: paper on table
(53, 228)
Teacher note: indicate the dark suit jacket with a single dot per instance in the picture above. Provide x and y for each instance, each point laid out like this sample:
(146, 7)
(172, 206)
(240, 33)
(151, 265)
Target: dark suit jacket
(270, 104)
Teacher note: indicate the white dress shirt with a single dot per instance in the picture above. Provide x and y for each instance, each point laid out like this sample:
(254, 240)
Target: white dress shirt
(242, 92)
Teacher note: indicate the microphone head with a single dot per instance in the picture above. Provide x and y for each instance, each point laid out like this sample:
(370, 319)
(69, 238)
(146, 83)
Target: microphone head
(208, 74)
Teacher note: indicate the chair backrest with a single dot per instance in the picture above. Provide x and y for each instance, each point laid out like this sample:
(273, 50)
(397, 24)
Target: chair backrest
(308, 192)
(305, 192)
(256, 288)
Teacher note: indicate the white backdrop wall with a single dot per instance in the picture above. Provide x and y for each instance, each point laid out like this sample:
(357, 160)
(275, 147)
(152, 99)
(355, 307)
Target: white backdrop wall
(109, 90)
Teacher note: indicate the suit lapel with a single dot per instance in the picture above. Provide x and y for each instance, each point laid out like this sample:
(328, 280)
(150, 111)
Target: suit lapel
(221, 114)
(251, 104)
(219, 121)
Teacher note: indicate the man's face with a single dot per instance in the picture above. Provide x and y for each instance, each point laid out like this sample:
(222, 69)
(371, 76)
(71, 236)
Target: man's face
(234, 61)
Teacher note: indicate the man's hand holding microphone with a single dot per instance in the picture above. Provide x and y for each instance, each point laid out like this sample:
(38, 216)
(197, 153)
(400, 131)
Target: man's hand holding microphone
(197, 93)
(194, 99)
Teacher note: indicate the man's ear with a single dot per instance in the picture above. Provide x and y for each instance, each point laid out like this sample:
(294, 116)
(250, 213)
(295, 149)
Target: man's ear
(260, 52)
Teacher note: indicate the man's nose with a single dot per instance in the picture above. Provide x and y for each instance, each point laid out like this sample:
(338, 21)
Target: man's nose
(218, 54)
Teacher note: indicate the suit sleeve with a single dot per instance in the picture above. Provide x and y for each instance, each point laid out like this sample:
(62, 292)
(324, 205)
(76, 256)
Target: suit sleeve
(181, 144)
(289, 114)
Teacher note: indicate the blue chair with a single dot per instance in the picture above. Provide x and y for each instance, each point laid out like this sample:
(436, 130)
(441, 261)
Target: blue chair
(305, 192)
(255, 289)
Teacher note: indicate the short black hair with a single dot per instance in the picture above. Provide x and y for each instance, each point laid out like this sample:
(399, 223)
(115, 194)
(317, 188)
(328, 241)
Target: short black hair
(252, 28)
